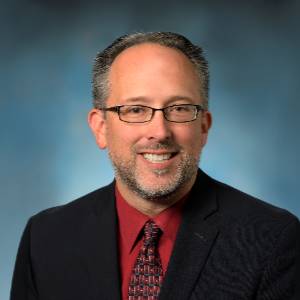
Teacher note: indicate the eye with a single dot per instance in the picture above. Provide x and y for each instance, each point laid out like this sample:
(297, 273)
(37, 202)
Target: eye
(133, 110)
(136, 110)
(180, 108)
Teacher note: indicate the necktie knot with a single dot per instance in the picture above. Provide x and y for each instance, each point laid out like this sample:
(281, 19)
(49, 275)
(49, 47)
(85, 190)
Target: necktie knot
(151, 233)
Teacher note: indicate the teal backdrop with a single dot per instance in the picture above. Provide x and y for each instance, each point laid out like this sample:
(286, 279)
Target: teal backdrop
(48, 156)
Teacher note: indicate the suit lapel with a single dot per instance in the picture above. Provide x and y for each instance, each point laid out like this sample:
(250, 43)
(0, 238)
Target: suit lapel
(195, 238)
(100, 247)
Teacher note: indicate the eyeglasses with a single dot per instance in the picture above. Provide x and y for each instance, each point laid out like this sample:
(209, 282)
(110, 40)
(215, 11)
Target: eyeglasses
(178, 113)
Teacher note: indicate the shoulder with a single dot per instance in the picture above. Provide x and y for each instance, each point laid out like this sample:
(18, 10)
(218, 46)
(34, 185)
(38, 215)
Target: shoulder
(238, 209)
(71, 215)
(237, 204)
(255, 222)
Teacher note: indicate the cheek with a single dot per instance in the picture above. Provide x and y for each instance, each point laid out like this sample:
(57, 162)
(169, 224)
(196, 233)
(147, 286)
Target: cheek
(189, 135)
(191, 140)
(119, 138)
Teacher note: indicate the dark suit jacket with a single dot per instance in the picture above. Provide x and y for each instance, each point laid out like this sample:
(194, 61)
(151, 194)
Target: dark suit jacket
(229, 246)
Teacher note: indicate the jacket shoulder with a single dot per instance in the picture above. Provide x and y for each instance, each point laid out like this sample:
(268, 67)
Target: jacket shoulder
(239, 205)
(76, 211)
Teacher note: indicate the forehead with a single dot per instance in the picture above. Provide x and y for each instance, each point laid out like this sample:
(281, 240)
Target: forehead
(150, 54)
(152, 69)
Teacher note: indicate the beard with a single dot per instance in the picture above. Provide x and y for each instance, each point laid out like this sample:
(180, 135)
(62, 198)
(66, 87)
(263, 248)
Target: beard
(128, 172)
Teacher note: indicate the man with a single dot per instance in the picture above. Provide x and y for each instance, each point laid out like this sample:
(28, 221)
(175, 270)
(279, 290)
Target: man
(163, 229)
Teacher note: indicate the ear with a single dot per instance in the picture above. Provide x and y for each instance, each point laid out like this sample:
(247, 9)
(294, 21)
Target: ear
(206, 122)
(97, 124)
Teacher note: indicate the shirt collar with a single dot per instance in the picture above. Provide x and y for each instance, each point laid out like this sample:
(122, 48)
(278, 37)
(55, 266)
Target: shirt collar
(132, 221)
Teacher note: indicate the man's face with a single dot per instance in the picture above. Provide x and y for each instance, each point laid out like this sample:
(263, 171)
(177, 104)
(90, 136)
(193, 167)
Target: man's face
(157, 158)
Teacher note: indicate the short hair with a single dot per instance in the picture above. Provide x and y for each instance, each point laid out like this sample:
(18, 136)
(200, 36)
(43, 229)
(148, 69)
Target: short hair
(104, 60)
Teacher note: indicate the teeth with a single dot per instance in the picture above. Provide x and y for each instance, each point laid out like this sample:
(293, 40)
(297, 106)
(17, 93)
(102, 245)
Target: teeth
(156, 158)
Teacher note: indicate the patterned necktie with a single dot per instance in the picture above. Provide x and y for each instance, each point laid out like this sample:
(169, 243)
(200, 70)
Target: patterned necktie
(147, 274)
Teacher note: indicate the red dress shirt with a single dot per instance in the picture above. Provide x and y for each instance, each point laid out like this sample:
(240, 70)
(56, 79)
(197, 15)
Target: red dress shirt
(131, 222)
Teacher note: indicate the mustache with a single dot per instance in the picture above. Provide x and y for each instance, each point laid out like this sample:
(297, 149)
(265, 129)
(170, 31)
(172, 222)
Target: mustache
(167, 145)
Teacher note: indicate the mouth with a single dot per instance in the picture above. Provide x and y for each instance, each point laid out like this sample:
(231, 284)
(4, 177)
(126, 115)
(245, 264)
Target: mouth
(158, 158)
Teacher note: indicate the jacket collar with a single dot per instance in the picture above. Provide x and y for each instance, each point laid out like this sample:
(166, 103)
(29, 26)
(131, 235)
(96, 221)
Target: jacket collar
(196, 236)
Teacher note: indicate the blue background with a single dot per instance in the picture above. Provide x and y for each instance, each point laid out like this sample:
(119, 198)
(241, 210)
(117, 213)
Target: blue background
(48, 156)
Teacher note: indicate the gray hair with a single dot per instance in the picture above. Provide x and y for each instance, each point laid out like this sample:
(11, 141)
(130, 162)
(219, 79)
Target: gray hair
(104, 60)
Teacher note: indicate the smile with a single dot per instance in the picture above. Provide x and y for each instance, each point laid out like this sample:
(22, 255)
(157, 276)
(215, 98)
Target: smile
(157, 158)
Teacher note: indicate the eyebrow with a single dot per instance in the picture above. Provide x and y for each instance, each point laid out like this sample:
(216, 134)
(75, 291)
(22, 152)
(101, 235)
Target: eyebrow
(170, 100)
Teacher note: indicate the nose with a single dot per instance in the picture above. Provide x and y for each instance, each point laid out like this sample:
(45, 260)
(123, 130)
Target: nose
(158, 128)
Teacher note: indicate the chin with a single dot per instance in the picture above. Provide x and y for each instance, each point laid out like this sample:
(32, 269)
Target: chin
(156, 191)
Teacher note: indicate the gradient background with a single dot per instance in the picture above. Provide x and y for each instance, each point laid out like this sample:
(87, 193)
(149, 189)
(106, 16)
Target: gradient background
(48, 156)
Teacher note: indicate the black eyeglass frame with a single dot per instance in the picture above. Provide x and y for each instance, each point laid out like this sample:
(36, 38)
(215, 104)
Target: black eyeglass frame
(118, 107)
